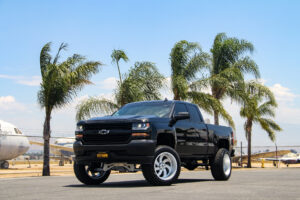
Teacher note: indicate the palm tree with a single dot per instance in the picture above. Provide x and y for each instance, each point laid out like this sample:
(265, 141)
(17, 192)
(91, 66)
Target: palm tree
(258, 104)
(60, 82)
(229, 63)
(187, 59)
(142, 83)
(116, 56)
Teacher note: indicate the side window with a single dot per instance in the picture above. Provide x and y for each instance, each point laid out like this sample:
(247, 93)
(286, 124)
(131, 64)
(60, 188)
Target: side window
(194, 114)
(17, 131)
(180, 107)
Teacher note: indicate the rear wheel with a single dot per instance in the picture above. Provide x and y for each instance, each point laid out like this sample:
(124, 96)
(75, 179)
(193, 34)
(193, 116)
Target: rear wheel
(221, 165)
(165, 167)
(5, 165)
(90, 174)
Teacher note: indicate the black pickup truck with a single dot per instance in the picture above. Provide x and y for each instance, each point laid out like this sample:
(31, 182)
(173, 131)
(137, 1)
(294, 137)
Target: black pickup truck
(157, 137)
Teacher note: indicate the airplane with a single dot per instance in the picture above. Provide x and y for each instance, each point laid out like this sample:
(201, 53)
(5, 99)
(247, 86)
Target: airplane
(287, 159)
(258, 156)
(62, 147)
(12, 143)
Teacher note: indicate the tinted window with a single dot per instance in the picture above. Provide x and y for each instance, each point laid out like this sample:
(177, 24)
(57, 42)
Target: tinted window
(180, 107)
(194, 114)
(157, 109)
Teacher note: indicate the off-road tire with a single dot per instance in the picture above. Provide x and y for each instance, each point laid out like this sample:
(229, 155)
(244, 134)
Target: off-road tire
(149, 172)
(217, 165)
(83, 177)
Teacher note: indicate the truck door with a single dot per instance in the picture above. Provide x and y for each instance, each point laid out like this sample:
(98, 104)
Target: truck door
(182, 128)
(198, 136)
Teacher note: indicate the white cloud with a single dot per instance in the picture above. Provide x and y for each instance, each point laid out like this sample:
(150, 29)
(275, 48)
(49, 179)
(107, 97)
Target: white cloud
(9, 103)
(7, 99)
(262, 81)
(283, 94)
(109, 83)
(32, 81)
(24, 80)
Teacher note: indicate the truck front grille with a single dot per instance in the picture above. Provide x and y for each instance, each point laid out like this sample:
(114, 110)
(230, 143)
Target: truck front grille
(118, 134)
(114, 126)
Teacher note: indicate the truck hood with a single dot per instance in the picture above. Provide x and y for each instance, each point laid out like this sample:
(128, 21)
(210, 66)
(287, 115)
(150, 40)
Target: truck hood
(124, 118)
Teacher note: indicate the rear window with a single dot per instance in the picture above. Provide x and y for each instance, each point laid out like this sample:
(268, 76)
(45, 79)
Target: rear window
(194, 114)
(180, 107)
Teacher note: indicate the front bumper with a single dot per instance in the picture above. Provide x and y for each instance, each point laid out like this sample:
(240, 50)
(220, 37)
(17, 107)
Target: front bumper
(135, 152)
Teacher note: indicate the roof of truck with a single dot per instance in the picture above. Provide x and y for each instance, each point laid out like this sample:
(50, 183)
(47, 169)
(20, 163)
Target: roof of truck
(161, 101)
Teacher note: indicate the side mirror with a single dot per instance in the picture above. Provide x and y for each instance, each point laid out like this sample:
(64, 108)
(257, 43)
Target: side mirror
(181, 116)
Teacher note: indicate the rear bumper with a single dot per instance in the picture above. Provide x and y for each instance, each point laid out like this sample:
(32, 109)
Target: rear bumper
(136, 152)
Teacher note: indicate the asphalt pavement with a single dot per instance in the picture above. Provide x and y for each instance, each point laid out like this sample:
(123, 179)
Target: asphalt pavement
(244, 184)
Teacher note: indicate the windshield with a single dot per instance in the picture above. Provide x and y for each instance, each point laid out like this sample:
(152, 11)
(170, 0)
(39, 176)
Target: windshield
(158, 109)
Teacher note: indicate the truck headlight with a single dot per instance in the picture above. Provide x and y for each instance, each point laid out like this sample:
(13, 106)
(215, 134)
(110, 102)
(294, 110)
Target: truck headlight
(79, 128)
(140, 126)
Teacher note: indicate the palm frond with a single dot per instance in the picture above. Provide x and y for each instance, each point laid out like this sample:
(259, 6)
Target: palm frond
(254, 88)
(265, 126)
(142, 83)
(272, 124)
(266, 109)
(61, 81)
(63, 46)
(209, 104)
(95, 106)
(197, 62)
(45, 57)
(186, 59)
(247, 65)
(118, 54)
(72, 62)
(200, 84)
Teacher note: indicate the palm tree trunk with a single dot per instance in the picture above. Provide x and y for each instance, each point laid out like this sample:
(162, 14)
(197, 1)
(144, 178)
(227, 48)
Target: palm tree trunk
(120, 76)
(216, 117)
(249, 135)
(216, 113)
(46, 136)
(176, 94)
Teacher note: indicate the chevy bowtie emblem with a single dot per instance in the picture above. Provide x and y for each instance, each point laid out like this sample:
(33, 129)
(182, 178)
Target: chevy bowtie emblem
(103, 132)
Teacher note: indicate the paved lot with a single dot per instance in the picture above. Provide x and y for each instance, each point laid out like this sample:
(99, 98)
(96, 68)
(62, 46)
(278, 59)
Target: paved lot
(244, 184)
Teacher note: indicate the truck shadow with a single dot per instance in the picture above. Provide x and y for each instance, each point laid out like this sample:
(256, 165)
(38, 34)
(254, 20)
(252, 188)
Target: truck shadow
(136, 183)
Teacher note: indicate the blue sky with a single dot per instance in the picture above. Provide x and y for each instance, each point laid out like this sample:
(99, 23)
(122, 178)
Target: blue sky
(146, 30)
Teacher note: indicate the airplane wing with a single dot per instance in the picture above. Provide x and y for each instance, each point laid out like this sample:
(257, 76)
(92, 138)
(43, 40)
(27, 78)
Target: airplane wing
(54, 146)
(258, 156)
(271, 159)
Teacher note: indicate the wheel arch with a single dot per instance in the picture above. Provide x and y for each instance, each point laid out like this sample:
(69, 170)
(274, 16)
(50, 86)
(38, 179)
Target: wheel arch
(167, 139)
(223, 143)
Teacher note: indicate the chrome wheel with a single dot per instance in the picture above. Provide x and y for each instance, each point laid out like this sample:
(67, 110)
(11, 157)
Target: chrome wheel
(226, 164)
(165, 166)
(96, 173)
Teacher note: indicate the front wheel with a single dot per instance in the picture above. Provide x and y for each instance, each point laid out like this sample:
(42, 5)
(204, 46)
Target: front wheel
(90, 174)
(221, 165)
(165, 167)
